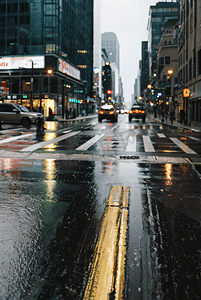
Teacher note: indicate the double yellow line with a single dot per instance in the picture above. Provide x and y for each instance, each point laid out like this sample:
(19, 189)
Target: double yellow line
(107, 275)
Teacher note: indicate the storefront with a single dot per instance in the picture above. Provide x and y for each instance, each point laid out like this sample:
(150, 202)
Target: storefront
(42, 83)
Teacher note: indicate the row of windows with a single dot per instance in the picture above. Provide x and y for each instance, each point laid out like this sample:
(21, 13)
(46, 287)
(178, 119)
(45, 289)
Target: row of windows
(164, 60)
(13, 7)
(12, 21)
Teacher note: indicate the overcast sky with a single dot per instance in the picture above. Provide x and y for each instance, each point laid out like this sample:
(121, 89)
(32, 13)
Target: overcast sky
(128, 19)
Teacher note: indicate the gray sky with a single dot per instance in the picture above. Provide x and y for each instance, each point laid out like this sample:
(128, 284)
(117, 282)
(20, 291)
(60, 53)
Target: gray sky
(128, 19)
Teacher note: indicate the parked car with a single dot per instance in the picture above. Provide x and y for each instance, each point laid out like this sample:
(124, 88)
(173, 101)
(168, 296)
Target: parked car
(18, 114)
(107, 112)
(138, 112)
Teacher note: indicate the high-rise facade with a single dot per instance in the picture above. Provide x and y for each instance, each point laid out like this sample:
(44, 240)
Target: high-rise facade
(97, 49)
(158, 16)
(57, 33)
(145, 66)
(111, 44)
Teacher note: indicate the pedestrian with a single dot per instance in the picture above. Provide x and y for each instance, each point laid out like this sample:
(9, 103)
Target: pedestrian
(74, 113)
(171, 111)
(67, 113)
(50, 111)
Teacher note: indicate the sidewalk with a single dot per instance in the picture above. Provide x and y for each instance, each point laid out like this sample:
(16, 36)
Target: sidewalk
(80, 118)
(178, 124)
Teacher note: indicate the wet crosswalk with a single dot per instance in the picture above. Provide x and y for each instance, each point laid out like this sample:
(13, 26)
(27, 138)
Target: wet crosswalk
(129, 144)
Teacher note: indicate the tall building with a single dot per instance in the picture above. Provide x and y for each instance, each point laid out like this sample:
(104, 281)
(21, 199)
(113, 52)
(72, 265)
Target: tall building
(189, 68)
(40, 35)
(158, 16)
(97, 50)
(111, 44)
(145, 66)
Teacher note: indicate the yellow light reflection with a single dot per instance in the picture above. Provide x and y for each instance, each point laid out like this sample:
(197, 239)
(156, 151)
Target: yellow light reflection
(50, 169)
(50, 125)
(168, 172)
(49, 136)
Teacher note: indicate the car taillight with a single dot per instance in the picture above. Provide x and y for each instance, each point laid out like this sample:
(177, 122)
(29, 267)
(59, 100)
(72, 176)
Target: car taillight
(130, 112)
(101, 112)
(111, 113)
(143, 111)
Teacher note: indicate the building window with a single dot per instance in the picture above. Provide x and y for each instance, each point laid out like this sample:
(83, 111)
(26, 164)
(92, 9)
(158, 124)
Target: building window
(161, 61)
(199, 62)
(190, 69)
(167, 60)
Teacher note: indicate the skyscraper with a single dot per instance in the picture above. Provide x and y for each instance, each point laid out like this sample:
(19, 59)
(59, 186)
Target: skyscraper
(111, 44)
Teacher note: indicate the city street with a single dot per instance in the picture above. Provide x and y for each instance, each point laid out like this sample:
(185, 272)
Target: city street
(54, 191)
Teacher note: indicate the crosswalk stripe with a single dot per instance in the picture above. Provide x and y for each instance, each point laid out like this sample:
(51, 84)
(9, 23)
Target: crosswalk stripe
(195, 139)
(52, 141)
(8, 140)
(131, 146)
(184, 147)
(148, 144)
(89, 143)
(161, 135)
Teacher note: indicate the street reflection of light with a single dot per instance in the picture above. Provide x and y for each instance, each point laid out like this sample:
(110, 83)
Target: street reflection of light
(50, 171)
(168, 173)
(49, 136)
(161, 127)
(50, 125)
(183, 138)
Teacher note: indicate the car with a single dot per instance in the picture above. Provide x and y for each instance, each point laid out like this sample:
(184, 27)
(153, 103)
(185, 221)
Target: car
(18, 114)
(138, 112)
(107, 112)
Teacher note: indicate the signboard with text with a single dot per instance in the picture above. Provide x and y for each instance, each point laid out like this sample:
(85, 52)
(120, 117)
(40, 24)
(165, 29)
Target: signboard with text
(66, 68)
(9, 63)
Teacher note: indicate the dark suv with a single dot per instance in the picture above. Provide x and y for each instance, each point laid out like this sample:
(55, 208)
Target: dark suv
(137, 112)
(107, 112)
(18, 114)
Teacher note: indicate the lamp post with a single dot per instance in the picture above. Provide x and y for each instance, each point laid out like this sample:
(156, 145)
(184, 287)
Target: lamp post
(31, 93)
(171, 105)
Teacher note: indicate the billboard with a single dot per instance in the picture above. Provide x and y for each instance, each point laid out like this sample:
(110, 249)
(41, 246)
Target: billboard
(9, 63)
(66, 68)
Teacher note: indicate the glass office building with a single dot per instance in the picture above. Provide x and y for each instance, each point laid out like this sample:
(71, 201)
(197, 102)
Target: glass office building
(40, 35)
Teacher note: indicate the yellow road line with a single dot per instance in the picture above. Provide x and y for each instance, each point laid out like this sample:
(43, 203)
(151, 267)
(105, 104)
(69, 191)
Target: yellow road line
(107, 273)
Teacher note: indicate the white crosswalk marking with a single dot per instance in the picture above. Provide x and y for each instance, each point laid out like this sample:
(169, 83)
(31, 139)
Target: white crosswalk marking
(161, 135)
(131, 146)
(148, 144)
(89, 143)
(195, 139)
(8, 140)
(184, 147)
(52, 141)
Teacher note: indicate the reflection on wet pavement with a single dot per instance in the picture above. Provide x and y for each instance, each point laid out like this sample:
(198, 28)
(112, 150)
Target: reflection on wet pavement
(50, 216)
(171, 243)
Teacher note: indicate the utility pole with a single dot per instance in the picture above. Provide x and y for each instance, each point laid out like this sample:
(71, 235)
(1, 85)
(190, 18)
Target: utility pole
(31, 93)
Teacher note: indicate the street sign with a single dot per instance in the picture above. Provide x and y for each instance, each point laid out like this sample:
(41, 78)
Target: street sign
(186, 92)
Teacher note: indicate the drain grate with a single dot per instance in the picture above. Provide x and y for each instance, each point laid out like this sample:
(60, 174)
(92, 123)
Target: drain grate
(128, 157)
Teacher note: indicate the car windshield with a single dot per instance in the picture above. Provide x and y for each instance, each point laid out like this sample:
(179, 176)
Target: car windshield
(137, 107)
(23, 108)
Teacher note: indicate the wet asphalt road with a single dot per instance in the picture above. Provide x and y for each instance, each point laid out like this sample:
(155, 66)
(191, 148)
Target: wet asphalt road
(53, 199)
